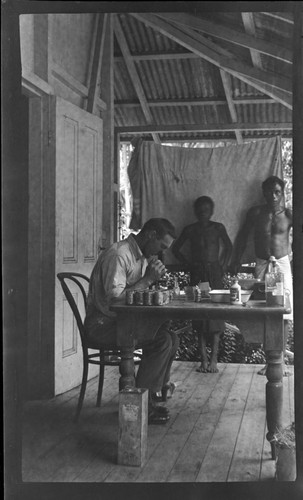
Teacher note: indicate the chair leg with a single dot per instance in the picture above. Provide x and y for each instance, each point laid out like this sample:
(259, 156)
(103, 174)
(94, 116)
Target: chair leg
(100, 385)
(82, 391)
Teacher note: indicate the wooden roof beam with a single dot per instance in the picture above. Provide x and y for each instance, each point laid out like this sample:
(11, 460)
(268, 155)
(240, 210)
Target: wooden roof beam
(230, 35)
(159, 56)
(280, 17)
(133, 74)
(279, 95)
(95, 74)
(211, 127)
(263, 81)
(232, 63)
(232, 109)
(249, 25)
(196, 102)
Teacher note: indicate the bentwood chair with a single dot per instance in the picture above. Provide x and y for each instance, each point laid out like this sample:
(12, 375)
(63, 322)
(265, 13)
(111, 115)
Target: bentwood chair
(109, 356)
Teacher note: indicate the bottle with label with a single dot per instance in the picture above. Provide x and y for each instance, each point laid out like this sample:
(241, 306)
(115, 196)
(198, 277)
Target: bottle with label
(235, 292)
(176, 287)
(274, 284)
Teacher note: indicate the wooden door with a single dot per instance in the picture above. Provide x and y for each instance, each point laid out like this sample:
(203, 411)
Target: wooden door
(78, 139)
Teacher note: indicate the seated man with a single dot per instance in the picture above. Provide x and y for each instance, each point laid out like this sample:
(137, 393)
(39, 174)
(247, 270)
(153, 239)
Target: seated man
(205, 237)
(128, 265)
(270, 225)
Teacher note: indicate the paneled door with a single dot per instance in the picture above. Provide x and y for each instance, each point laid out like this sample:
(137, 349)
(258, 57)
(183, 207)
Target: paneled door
(78, 139)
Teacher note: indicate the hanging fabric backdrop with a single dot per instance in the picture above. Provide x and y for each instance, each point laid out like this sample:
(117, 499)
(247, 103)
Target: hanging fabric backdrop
(165, 181)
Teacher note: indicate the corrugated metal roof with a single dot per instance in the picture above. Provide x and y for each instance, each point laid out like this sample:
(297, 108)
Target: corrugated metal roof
(176, 83)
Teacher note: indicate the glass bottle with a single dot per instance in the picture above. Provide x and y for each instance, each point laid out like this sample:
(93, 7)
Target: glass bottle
(274, 284)
(235, 292)
(176, 287)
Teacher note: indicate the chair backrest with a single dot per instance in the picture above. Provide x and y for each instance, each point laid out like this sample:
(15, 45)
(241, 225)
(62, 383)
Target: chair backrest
(77, 278)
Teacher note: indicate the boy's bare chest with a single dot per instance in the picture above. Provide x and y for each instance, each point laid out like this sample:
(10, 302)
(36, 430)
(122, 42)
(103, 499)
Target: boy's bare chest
(208, 234)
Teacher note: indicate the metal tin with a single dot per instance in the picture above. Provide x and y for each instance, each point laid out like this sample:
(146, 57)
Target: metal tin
(158, 298)
(198, 295)
(148, 297)
(166, 296)
(139, 298)
(130, 297)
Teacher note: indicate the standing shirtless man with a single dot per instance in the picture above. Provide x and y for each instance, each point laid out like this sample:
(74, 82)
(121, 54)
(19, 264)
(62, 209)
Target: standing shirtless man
(271, 224)
(208, 263)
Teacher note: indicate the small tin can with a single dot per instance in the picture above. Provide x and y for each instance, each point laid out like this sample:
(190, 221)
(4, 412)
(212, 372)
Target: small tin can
(158, 298)
(130, 297)
(198, 294)
(139, 298)
(166, 297)
(148, 297)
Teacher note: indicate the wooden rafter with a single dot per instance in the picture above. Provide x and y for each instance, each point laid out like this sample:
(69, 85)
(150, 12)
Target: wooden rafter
(95, 76)
(240, 71)
(133, 74)
(231, 106)
(211, 127)
(160, 56)
(230, 35)
(263, 81)
(249, 25)
(196, 102)
(275, 15)
(236, 66)
(69, 81)
(92, 50)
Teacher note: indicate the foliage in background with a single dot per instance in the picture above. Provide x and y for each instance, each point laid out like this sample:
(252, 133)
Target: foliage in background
(232, 346)
(287, 164)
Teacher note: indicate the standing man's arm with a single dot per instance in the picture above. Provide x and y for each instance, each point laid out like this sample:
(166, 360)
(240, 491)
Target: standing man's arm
(241, 240)
(178, 244)
(227, 247)
(288, 214)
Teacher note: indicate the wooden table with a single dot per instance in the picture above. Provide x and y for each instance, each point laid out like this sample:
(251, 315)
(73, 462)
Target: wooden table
(257, 322)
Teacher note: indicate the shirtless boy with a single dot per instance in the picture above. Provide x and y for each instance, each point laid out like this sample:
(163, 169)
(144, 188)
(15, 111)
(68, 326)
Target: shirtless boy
(210, 249)
(271, 225)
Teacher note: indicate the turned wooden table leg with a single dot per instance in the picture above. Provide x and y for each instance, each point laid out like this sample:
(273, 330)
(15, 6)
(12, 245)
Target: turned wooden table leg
(127, 368)
(274, 395)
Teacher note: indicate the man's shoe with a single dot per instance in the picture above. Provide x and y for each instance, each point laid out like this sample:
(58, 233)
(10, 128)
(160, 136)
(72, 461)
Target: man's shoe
(156, 418)
(162, 410)
(156, 398)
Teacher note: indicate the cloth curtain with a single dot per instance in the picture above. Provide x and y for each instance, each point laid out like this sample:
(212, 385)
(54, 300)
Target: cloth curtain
(166, 180)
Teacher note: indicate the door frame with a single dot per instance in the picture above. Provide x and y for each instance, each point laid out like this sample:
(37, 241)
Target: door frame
(41, 245)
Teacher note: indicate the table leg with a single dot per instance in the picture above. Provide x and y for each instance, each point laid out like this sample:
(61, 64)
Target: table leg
(274, 395)
(127, 368)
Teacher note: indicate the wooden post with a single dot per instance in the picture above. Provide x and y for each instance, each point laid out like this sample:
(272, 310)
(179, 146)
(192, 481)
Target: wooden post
(133, 421)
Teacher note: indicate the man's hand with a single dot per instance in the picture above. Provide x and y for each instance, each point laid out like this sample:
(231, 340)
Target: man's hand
(155, 270)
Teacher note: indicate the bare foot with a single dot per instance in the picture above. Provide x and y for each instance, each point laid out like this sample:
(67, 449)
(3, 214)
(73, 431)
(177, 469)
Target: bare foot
(262, 371)
(212, 368)
(202, 368)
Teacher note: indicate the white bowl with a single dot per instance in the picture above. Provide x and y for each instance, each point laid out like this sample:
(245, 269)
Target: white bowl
(220, 296)
(245, 295)
(223, 296)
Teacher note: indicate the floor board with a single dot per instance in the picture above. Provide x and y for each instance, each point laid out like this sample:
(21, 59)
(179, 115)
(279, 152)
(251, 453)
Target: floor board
(216, 433)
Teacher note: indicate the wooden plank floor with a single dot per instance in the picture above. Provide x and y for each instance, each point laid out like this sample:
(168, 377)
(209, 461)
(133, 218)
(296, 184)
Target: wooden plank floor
(216, 432)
